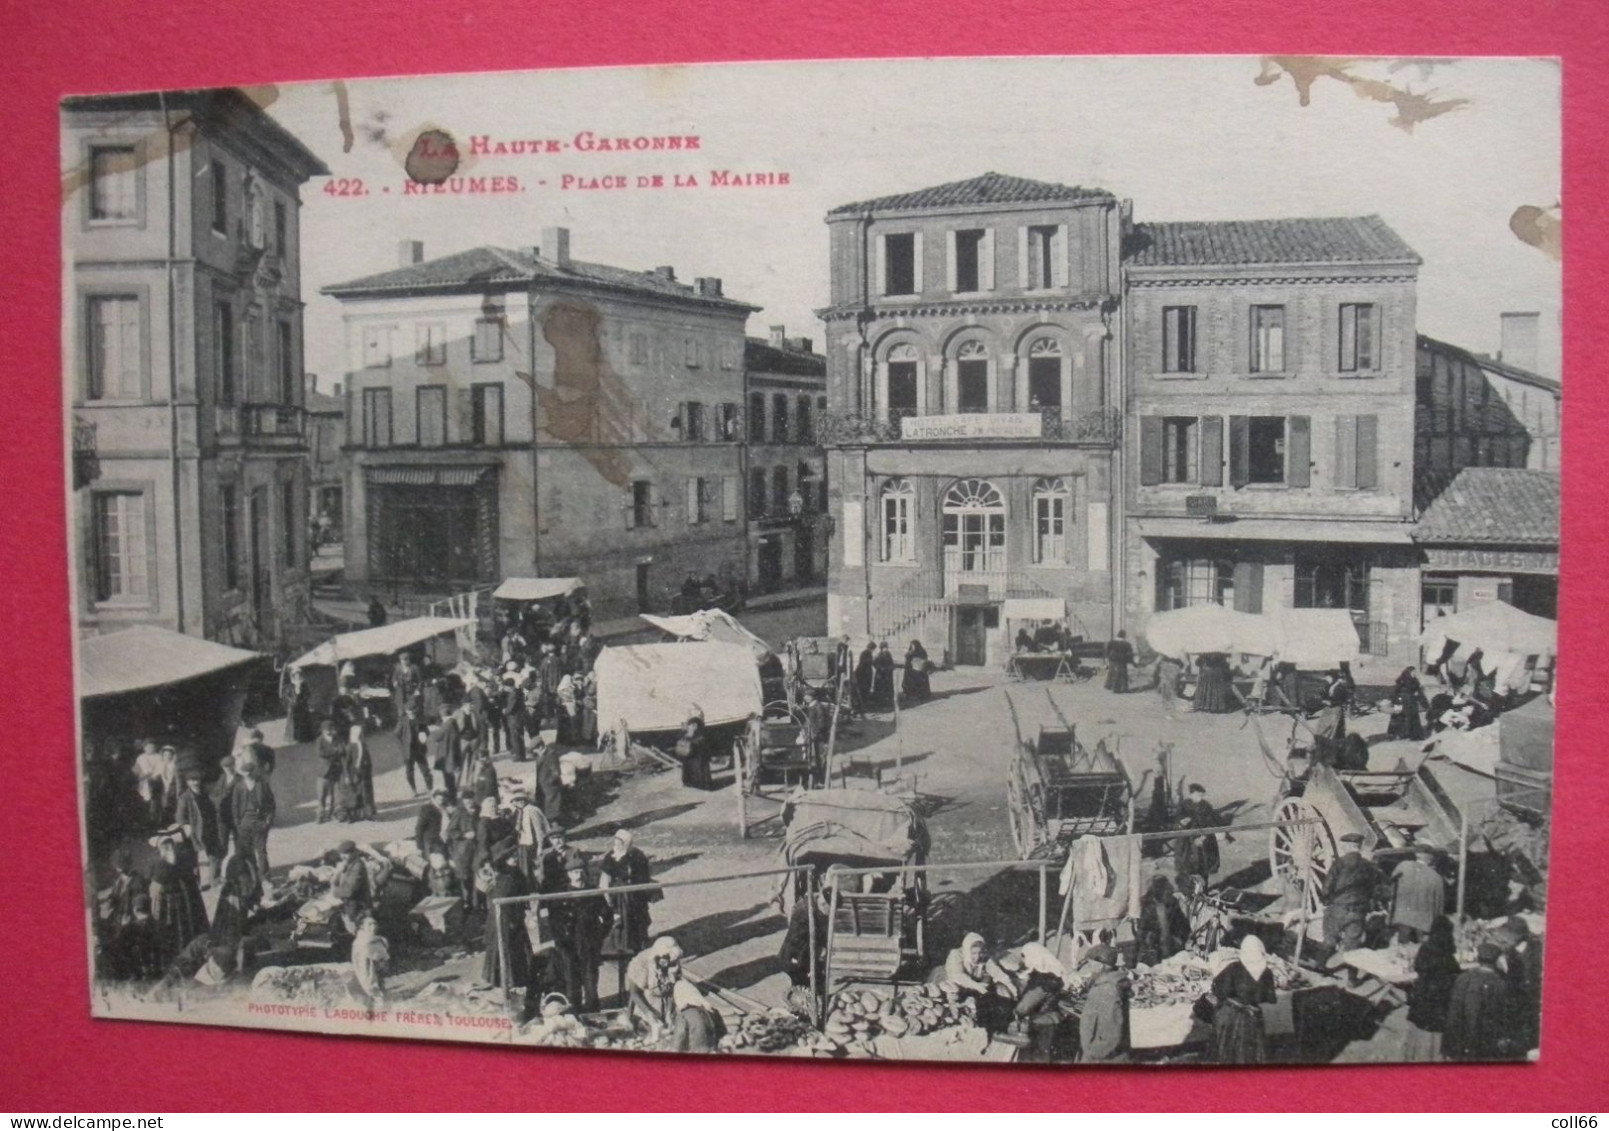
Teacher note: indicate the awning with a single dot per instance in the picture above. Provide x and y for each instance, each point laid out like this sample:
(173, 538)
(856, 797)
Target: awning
(1210, 628)
(653, 687)
(1278, 530)
(428, 476)
(1035, 608)
(382, 641)
(1493, 626)
(1317, 638)
(537, 588)
(711, 624)
(145, 657)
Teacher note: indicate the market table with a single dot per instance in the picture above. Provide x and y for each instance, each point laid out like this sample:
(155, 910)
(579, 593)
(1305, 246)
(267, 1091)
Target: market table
(1062, 666)
(1380, 975)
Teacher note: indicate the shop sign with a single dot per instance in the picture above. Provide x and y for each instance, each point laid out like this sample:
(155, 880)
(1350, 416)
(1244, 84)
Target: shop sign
(1468, 557)
(974, 426)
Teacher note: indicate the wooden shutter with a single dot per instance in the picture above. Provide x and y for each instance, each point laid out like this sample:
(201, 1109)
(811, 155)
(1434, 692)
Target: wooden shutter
(1249, 587)
(1022, 257)
(880, 267)
(1346, 451)
(986, 261)
(919, 284)
(1239, 451)
(951, 275)
(630, 507)
(1151, 443)
(1298, 451)
(1212, 451)
(692, 502)
(729, 498)
(1368, 452)
(464, 413)
(1060, 254)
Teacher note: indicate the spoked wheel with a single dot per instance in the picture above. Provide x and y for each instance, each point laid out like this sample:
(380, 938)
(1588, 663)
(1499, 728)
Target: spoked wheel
(1018, 818)
(1301, 855)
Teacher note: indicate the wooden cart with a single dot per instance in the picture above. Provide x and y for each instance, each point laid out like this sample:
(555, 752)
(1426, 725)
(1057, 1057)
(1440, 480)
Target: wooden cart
(778, 752)
(1058, 791)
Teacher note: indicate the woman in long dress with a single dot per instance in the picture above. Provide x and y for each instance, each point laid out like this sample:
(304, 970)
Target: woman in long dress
(176, 903)
(1407, 702)
(1435, 970)
(917, 687)
(1238, 1033)
(693, 747)
(1213, 683)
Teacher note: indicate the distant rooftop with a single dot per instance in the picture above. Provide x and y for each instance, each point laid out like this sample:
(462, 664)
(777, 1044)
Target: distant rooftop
(990, 188)
(761, 356)
(1494, 506)
(1524, 376)
(1213, 243)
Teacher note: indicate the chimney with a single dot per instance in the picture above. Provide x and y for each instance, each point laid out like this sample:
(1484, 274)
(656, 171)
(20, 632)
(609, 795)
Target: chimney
(1520, 339)
(708, 287)
(801, 345)
(556, 246)
(666, 273)
(336, 390)
(779, 337)
(310, 383)
(410, 252)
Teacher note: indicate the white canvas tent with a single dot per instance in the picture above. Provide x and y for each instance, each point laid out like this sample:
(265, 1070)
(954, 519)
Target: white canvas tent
(653, 686)
(1316, 638)
(711, 624)
(537, 588)
(383, 641)
(145, 657)
(1210, 628)
(1494, 626)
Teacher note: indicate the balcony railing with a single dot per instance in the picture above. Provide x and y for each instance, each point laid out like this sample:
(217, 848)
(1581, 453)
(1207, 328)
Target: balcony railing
(1098, 426)
(86, 464)
(262, 422)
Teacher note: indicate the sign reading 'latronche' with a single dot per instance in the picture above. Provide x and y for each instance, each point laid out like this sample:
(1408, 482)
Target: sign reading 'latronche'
(974, 426)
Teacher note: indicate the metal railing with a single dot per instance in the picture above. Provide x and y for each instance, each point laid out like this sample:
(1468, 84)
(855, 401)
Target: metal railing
(1097, 426)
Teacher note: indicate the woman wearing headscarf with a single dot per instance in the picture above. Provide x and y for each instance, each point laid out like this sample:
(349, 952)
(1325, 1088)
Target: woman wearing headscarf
(1241, 988)
(1435, 970)
(698, 1027)
(566, 697)
(651, 978)
(693, 747)
(917, 687)
(1407, 701)
(370, 958)
(624, 865)
(969, 967)
(176, 903)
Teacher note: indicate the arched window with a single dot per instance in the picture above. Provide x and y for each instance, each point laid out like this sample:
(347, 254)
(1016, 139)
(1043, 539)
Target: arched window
(1052, 502)
(972, 377)
(899, 522)
(1044, 374)
(902, 378)
(974, 527)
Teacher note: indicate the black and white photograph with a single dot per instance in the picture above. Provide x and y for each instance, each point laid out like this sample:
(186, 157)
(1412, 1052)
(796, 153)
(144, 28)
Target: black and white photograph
(1048, 560)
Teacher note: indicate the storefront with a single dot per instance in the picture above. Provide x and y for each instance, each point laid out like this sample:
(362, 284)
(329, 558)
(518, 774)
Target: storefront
(432, 528)
(1491, 534)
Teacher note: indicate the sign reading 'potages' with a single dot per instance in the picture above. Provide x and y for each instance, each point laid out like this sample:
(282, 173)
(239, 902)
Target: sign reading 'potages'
(974, 426)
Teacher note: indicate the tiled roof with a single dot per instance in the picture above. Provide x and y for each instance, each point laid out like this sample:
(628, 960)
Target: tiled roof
(496, 268)
(322, 404)
(760, 356)
(1503, 368)
(990, 188)
(1494, 506)
(1211, 243)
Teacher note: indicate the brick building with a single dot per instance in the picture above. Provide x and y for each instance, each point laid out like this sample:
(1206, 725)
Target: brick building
(183, 347)
(624, 467)
(1270, 399)
(972, 385)
(786, 472)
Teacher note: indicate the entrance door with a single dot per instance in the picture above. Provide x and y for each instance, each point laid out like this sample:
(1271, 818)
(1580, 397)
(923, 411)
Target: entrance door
(643, 604)
(972, 635)
(770, 563)
(804, 556)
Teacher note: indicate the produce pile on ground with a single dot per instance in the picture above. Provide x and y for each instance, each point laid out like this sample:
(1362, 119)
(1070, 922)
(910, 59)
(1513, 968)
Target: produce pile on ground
(857, 1017)
(1183, 977)
(324, 984)
(772, 1031)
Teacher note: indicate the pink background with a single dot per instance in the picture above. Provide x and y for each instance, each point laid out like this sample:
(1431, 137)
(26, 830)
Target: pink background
(59, 1060)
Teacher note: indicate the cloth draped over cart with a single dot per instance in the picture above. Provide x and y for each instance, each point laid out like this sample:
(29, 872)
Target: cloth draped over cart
(1104, 877)
(853, 827)
(382, 641)
(711, 624)
(537, 588)
(1493, 626)
(1308, 638)
(654, 686)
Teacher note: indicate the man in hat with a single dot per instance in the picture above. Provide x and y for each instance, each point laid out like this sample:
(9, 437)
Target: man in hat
(513, 712)
(1523, 966)
(435, 741)
(531, 830)
(1419, 896)
(1197, 855)
(410, 736)
(505, 923)
(351, 884)
(580, 927)
(220, 793)
(1347, 894)
(252, 808)
(1103, 1026)
(551, 873)
(549, 781)
(430, 825)
(199, 818)
(332, 752)
(1478, 1015)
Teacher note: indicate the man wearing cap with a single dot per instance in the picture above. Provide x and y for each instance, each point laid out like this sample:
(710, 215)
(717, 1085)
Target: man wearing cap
(1419, 896)
(1347, 894)
(1197, 855)
(351, 884)
(1103, 1026)
(220, 793)
(531, 829)
(430, 826)
(252, 809)
(410, 736)
(1478, 1015)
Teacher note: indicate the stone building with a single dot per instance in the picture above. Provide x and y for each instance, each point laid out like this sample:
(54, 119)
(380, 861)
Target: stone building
(519, 412)
(972, 369)
(784, 467)
(183, 348)
(1270, 427)
(326, 458)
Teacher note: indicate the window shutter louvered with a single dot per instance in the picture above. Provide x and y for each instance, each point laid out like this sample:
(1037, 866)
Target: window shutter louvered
(1346, 451)
(1022, 257)
(1212, 451)
(1368, 452)
(1060, 255)
(1239, 451)
(630, 508)
(1299, 451)
(986, 261)
(1151, 443)
(879, 266)
(950, 273)
(1249, 587)
(921, 283)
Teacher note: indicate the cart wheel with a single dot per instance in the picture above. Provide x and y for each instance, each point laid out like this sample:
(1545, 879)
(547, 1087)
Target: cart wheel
(1301, 856)
(1017, 818)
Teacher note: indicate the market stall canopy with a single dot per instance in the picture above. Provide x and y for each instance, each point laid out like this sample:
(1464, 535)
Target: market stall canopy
(1493, 626)
(382, 641)
(852, 826)
(653, 686)
(537, 588)
(1035, 608)
(1211, 628)
(711, 624)
(145, 657)
(1316, 638)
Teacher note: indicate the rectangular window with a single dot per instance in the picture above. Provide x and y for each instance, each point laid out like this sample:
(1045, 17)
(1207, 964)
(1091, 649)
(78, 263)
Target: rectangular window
(487, 344)
(1265, 449)
(690, 352)
(1041, 252)
(899, 264)
(641, 511)
(972, 385)
(1268, 339)
(1178, 339)
(779, 419)
(779, 491)
(113, 193)
(289, 377)
(1359, 337)
(430, 343)
(430, 404)
(229, 507)
(901, 388)
(729, 421)
(695, 501)
(1180, 457)
(1201, 581)
(899, 542)
(376, 418)
(729, 355)
(1050, 529)
(695, 421)
(119, 546)
(486, 415)
(757, 418)
(115, 346)
(281, 231)
(223, 334)
(807, 427)
(376, 347)
(974, 542)
(731, 497)
(757, 496)
(220, 197)
(968, 264)
(287, 512)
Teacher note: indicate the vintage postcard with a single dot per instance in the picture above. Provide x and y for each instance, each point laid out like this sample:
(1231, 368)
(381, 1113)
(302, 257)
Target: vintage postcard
(1045, 559)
